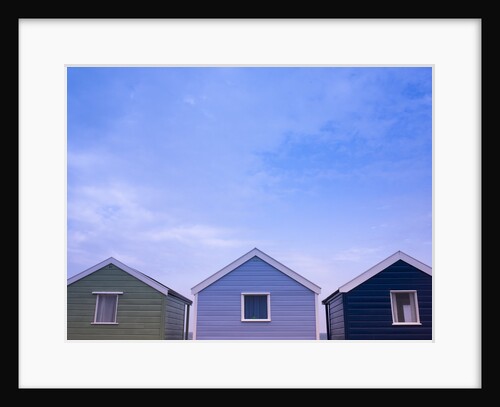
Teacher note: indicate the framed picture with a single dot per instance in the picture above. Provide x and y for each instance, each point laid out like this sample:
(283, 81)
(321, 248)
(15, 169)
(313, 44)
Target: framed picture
(329, 146)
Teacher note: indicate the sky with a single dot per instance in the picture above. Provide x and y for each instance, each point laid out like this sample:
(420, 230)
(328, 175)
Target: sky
(178, 171)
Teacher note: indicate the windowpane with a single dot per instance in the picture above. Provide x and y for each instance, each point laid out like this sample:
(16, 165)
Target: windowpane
(106, 308)
(256, 307)
(405, 307)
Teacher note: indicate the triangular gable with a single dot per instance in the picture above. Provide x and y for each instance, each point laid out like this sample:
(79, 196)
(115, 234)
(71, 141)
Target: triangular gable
(137, 274)
(399, 255)
(264, 257)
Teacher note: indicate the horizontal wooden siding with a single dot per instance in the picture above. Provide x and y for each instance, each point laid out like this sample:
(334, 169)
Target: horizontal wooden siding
(174, 325)
(140, 311)
(292, 305)
(368, 306)
(336, 317)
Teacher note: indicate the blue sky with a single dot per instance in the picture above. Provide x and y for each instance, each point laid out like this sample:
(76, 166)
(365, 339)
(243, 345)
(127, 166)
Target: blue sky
(178, 171)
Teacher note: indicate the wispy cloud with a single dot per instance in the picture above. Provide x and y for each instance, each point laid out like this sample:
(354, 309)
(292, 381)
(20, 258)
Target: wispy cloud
(196, 235)
(306, 264)
(190, 100)
(355, 254)
(89, 161)
(99, 206)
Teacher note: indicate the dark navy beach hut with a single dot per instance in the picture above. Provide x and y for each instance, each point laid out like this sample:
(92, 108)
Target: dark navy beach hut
(256, 297)
(392, 300)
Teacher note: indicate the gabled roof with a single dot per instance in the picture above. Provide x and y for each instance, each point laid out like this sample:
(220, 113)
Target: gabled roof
(133, 272)
(399, 255)
(263, 256)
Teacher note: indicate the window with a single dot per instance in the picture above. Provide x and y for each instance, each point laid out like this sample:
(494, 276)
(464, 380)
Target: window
(255, 307)
(404, 308)
(106, 307)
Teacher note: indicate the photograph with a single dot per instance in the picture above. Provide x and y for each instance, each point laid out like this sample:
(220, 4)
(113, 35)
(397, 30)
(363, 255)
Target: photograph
(249, 203)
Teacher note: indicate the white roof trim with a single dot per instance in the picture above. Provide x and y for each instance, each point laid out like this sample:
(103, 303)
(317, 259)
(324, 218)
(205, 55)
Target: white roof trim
(399, 255)
(142, 277)
(261, 255)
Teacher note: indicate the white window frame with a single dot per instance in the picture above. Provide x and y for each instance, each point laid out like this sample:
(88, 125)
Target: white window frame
(394, 310)
(268, 319)
(98, 293)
